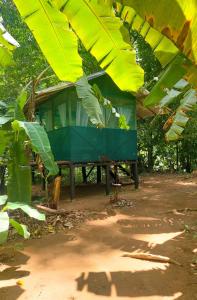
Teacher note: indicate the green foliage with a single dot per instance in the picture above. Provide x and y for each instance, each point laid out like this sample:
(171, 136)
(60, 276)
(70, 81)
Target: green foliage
(4, 226)
(123, 122)
(180, 118)
(108, 105)
(54, 36)
(19, 137)
(28, 59)
(6, 221)
(30, 211)
(164, 50)
(89, 101)
(39, 143)
(20, 228)
(19, 171)
(106, 38)
(145, 57)
(167, 79)
(7, 45)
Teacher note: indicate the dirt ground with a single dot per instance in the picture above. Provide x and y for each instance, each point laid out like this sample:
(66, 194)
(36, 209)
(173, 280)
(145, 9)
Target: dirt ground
(89, 262)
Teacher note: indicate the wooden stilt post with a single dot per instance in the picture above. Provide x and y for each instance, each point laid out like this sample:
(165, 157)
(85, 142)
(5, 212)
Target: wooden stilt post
(2, 180)
(84, 175)
(98, 174)
(56, 193)
(116, 174)
(134, 174)
(72, 181)
(33, 174)
(60, 171)
(107, 178)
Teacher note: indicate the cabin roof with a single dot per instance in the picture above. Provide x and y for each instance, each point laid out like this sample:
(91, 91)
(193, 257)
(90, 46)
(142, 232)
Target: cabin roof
(44, 94)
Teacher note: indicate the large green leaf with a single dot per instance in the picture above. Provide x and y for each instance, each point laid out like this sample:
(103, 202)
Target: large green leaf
(40, 143)
(89, 101)
(163, 48)
(168, 78)
(108, 105)
(4, 120)
(19, 172)
(7, 44)
(4, 226)
(19, 105)
(169, 98)
(54, 36)
(4, 139)
(180, 119)
(104, 36)
(30, 211)
(20, 228)
(174, 19)
(176, 93)
(3, 199)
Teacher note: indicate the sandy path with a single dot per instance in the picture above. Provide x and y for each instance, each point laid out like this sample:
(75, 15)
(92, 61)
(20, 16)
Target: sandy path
(88, 263)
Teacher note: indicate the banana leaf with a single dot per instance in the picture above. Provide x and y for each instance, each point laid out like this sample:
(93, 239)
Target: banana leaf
(3, 199)
(19, 105)
(40, 143)
(30, 211)
(4, 140)
(7, 45)
(103, 34)
(180, 119)
(57, 41)
(163, 48)
(169, 98)
(89, 101)
(4, 120)
(20, 228)
(4, 226)
(174, 19)
(19, 172)
(168, 78)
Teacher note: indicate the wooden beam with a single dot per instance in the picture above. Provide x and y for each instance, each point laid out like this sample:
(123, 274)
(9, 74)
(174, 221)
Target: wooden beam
(72, 181)
(107, 179)
(84, 175)
(134, 174)
(98, 179)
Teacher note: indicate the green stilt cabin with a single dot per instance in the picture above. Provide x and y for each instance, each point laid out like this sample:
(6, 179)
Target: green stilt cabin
(74, 139)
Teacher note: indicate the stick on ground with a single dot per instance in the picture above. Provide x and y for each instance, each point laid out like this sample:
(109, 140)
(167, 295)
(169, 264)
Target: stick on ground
(152, 257)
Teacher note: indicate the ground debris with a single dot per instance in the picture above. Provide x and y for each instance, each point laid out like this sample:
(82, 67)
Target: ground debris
(123, 203)
(180, 211)
(54, 223)
(152, 257)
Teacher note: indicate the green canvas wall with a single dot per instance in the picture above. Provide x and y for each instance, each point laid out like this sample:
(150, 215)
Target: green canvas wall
(89, 144)
(74, 138)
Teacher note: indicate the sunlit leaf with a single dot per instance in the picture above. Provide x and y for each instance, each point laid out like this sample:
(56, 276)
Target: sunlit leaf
(40, 143)
(3, 199)
(174, 19)
(168, 78)
(30, 211)
(180, 119)
(19, 105)
(163, 48)
(89, 101)
(19, 172)
(4, 226)
(20, 228)
(57, 41)
(104, 36)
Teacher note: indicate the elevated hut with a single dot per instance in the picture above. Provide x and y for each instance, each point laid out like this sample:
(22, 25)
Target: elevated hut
(76, 142)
